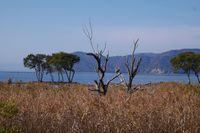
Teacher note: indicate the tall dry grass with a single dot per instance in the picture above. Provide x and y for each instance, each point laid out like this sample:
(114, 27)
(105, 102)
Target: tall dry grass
(164, 107)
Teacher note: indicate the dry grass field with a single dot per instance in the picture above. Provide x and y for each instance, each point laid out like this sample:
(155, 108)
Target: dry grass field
(45, 107)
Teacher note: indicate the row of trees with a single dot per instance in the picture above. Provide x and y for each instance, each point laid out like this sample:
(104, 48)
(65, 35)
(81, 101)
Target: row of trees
(64, 62)
(56, 63)
(60, 63)
(188, 62)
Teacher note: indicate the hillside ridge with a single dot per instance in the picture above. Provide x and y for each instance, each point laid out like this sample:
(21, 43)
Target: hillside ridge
(152, 63)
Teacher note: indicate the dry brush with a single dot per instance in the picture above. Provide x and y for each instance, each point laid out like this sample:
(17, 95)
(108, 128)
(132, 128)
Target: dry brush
(42, 107)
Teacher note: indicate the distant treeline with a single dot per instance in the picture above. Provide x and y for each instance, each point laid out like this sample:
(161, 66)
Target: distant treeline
(48, 64)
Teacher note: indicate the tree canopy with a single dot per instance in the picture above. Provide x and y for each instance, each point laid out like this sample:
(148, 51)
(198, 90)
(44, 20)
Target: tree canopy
(196, 65)
(64, 62)
(36, 62)
(57, 62)
(187, 62)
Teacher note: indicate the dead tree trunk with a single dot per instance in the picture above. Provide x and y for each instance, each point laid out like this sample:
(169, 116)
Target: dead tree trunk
(132, 66)
(101, 85)
(101, 62)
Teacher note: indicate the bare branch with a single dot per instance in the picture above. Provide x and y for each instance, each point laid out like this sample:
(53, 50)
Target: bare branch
(106, 62)
(122, 79)
(102, 62)
(127, 67)
(94, 55)
(89, 34)
(133, 54)
(135, 46)
(132, 67)
(114, 77)
(98, 49)
(104, 48)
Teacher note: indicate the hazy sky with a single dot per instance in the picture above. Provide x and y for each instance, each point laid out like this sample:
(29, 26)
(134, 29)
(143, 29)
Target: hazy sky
(47, 26)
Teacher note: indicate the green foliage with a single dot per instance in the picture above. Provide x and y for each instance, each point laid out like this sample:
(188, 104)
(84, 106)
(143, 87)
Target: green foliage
(182, 61)
(13, 129)
(30, 61)
(8, 109)
(36, 62)
(196, 65)
(64, 61)
(60, 62)
(187, 62)
(49, 67)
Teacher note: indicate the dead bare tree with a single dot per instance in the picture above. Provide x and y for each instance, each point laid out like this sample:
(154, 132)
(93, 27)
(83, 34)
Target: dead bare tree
(101, 63)
(132, 66)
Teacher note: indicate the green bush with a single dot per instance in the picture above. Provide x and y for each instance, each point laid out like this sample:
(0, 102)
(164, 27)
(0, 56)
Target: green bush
(13, 129)
(8, 109)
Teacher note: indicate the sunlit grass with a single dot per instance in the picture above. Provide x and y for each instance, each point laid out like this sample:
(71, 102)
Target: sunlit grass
(44, 107)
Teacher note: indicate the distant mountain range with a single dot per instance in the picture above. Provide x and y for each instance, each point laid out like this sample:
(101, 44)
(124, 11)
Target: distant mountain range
(151, 63)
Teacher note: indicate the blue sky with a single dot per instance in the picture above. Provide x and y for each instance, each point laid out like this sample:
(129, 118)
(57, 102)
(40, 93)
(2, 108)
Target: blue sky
(48, 26)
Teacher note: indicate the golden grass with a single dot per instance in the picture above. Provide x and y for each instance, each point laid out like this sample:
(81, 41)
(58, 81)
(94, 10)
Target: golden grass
(43, 107)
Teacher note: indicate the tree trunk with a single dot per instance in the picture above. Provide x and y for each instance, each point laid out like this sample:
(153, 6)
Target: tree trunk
(129, 86)
(62, 77)
(197, 75)
(73, 75)
(51, 75)
(198, 78)
(37, 76)
(58, 76)
(41, 76)
(189, 81)
(68, 75)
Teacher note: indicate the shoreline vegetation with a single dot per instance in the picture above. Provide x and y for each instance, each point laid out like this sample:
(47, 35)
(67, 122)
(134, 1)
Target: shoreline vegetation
(105, 85)
(65, 106)
(45, 107)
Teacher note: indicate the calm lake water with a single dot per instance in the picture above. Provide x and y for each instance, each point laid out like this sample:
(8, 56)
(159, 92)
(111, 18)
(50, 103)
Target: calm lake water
(88, 78)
